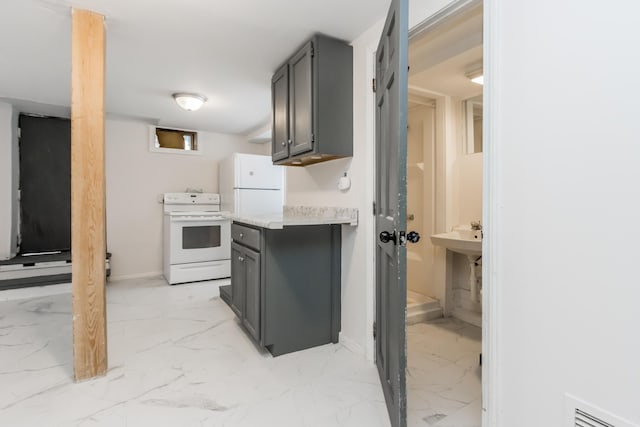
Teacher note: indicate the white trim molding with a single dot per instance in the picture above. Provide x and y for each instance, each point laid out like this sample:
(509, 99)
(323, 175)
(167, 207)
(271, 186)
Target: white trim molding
(350, 344)
(491, 212)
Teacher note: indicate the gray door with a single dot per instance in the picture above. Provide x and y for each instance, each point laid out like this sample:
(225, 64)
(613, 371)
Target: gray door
(301, 101)
(251, 261)
(280, 108)
(391, 192)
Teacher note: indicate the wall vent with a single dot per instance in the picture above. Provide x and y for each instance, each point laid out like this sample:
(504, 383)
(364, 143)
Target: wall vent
(584, 419)
(582, 414)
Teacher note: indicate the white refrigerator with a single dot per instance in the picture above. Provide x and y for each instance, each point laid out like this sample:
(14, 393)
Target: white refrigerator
(250, 184)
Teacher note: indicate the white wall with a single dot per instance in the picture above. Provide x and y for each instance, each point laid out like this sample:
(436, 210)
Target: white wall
(317, 185)
(8, 180)
(420, 149)
(564, 204)
(6, 113)
(468, 188)
(15, 183)
(135, 179)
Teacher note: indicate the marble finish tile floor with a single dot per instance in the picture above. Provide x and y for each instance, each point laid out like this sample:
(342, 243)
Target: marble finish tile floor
(444, 387)
(178, 357)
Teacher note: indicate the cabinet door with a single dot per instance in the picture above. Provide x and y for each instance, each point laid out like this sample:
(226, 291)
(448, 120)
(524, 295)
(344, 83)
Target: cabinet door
(238, 279)
(301, 101)
(280, 108)
(252, 293)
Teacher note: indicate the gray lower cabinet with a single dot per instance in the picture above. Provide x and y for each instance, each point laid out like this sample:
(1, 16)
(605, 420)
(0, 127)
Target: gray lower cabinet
(245, 287)
(285, 285)
(251, 317)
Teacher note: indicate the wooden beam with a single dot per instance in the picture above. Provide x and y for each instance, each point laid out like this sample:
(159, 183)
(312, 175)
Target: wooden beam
(88, 236)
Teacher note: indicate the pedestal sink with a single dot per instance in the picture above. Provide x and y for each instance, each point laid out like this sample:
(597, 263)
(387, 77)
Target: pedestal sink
(466, 242)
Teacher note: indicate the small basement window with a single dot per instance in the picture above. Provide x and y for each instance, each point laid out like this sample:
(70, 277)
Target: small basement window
(174, 141)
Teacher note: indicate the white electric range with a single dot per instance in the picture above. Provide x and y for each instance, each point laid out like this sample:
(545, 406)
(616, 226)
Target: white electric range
(197, 238)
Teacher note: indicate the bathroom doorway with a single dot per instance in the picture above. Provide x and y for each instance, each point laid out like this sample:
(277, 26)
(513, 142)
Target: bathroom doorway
(444, 194)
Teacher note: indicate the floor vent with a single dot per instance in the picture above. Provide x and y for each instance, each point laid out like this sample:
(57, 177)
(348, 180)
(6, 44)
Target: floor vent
(582, 414)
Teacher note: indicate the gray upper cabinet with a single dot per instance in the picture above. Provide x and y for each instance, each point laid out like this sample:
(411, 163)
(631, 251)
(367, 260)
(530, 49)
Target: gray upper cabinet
(280, 107)
(312, 101)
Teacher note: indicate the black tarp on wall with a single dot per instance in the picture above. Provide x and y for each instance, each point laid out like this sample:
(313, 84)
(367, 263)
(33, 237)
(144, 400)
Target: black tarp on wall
(45, 184)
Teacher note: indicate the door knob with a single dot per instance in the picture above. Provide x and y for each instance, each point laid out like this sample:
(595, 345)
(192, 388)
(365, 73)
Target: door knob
(284, 143)
(385, 237)
(413, 236)
(290, 142)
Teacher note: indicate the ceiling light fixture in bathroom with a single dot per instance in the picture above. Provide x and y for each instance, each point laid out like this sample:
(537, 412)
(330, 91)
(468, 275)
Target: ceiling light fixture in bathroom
(476, 76)
(189, 101)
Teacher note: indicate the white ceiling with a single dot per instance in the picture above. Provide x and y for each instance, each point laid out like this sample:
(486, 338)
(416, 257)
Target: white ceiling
(225, 50)
(449, 76)
(440, 59)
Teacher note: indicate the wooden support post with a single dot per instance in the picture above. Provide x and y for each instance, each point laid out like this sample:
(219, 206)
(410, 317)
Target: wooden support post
(88, 236)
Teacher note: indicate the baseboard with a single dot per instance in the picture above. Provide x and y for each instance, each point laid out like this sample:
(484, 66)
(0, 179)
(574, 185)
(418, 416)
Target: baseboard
(148, 275)
(351, 345)
(467, 316)
(35, 292)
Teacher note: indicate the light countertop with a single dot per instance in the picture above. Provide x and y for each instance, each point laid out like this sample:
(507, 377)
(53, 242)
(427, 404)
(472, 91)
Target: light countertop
(301, 215)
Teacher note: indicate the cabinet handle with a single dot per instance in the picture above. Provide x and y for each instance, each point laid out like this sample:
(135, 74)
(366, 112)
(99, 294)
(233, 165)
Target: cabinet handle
(290, 142)
(284, 143)
(241, 236)
(240, 258)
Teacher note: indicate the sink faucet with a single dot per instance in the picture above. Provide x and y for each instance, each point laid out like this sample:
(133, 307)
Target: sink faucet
(475, 225)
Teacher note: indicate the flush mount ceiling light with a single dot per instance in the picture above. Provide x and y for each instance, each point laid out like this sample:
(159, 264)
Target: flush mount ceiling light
(476, 76)
(189, 101)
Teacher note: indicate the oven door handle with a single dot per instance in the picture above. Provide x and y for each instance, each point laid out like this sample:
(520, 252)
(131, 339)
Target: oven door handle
(197, 219)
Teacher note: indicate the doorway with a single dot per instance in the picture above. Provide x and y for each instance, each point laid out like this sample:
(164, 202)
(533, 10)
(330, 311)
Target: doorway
(445, 178)
(444, 194)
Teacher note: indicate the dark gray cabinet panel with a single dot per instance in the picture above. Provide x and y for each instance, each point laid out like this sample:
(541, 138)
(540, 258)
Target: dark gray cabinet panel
(320, 104)
(280, 107)
(302, 287)
(300, 102)
(246, 236)
(251, 317)
(245, 287)
(291, 287)
(238, 279)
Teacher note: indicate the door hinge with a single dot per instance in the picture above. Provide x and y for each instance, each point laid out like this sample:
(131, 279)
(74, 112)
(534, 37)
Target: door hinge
(373, 85)
(313, 138)
(19, 132)
(375, 331)
(374, 208)
(312, 51)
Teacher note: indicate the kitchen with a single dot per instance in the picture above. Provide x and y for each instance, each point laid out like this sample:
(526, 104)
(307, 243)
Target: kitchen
(536, 359)
(136, 177)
